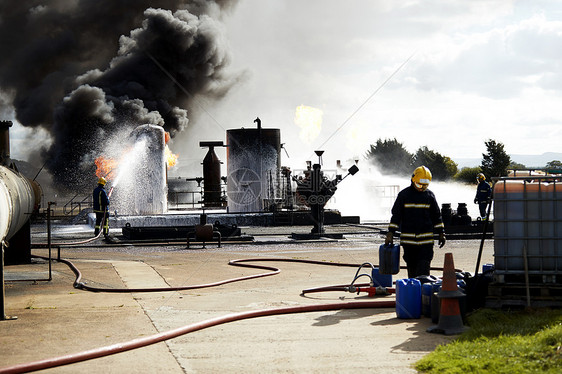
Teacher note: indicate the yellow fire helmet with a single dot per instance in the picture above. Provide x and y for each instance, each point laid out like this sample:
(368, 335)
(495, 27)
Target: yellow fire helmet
(102, 181)
(481, 177)
(421, 178)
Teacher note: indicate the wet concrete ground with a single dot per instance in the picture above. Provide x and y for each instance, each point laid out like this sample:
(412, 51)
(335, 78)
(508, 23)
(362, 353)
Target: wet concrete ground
(55, 319)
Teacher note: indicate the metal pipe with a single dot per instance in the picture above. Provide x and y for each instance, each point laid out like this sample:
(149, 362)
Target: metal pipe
(3, 316)
(49, 236)
(526, 267)
(5, 142)
(485, 228)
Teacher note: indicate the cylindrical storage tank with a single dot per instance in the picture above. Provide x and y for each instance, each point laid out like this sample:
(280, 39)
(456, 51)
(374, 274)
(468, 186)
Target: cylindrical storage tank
(528, 227)
(141, 187)
(253, 164)
(18, 198)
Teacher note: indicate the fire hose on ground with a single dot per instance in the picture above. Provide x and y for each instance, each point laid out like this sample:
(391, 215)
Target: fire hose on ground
(170, 334)
(156, 338)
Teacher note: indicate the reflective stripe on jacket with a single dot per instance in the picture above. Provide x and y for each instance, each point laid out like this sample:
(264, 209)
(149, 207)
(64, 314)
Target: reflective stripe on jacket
(417, 215)
(101, 201)
(483, 192)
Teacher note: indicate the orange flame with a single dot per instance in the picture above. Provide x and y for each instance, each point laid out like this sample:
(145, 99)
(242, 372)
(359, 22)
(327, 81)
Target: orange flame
(171, 158)
(106, 167)
(309, 119)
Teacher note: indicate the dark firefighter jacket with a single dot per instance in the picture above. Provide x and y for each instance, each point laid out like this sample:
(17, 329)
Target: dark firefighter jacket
(417, 215)
(101, 201)
(483, 192)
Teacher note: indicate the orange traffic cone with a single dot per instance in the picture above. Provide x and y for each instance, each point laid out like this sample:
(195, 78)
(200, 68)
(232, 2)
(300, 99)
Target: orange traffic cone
(450, 320)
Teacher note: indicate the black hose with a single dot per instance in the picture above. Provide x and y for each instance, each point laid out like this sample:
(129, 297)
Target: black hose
(80, 285)
(240, 262)
(485, 225)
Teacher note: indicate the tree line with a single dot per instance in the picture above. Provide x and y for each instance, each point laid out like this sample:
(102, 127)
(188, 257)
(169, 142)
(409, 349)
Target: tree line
(392, 158)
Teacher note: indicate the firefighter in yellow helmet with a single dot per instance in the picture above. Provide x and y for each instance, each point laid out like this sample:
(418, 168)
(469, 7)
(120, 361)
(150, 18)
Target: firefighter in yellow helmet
(101, 208)
(417, 215)
(483, 194)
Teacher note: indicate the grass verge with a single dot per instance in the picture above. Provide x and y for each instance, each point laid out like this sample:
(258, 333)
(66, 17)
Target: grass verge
(502, 342)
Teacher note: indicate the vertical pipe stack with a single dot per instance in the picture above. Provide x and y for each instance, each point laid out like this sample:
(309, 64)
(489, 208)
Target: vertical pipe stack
(212, 194)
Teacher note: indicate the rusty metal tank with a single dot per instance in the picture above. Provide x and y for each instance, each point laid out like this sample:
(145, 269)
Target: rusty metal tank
(253, 167)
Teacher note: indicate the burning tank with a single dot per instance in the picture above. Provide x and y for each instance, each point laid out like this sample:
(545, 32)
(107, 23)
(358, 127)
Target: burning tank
(141, 176)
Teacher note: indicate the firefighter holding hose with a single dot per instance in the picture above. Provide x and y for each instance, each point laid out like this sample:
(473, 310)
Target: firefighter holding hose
(483, 195)
(101, 208)
(418, 216)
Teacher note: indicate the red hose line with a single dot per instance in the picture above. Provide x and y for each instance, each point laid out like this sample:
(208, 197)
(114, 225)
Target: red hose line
(341, 287)
(170, 334)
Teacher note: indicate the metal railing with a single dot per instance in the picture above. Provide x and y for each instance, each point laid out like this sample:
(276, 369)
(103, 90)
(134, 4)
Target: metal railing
(77, 204)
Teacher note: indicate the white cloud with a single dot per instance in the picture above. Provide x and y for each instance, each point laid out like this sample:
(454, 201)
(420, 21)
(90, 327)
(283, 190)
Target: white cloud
(481, 70)
(25, 142)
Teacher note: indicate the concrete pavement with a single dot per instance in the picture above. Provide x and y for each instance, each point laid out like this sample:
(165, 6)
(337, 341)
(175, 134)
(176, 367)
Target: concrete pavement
(55, 319)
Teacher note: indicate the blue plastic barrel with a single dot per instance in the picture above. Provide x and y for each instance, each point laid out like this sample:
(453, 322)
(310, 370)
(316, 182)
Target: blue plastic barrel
(427, 290)
(408, 298)
(381, 280)
(487, 267)
(389, 259)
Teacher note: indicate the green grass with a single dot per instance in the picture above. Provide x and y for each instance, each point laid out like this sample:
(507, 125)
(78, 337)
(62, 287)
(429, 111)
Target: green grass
(502, 342)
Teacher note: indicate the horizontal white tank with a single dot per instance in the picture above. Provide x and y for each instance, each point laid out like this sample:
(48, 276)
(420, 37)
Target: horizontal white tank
(18, 198)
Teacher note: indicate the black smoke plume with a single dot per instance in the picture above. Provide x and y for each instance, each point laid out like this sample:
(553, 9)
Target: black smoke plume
(87, 69)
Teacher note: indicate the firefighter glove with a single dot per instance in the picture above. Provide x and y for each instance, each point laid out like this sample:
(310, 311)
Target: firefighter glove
(442, 240)
(389, 238)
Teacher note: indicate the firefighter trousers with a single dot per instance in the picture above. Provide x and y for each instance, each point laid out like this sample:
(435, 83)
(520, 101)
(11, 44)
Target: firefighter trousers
(418, 259)
(100, 216)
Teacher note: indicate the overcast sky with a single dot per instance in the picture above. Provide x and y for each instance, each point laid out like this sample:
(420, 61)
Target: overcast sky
(457, 73)
(477, 70)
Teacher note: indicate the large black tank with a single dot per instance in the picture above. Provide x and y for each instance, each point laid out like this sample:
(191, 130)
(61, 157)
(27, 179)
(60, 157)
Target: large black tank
(253, 164)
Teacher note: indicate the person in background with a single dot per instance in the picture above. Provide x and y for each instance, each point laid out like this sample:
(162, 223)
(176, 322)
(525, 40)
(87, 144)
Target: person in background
(483, 195)
(101, 208)
(417, 215)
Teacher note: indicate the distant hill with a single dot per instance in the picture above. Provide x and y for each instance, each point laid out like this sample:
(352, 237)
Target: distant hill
(530, 161)
(538, 161)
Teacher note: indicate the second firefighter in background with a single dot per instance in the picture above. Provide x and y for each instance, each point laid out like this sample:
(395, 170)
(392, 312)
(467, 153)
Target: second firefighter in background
(101, 208)
(417, 215)
(483, 195)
